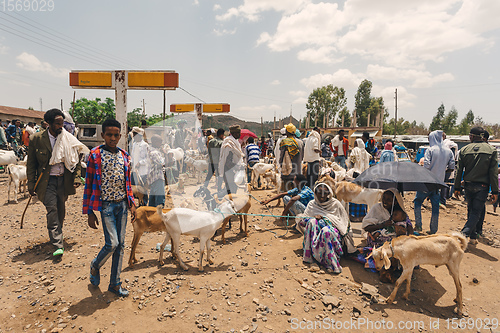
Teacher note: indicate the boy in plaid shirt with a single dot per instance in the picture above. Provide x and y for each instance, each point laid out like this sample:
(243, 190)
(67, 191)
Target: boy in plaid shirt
(108, 190)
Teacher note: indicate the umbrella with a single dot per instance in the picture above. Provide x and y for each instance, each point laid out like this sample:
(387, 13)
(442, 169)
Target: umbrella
(246, 134)
(402, 175)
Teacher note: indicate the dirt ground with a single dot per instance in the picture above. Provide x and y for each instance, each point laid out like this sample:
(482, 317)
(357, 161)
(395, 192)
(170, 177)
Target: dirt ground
(254, 285)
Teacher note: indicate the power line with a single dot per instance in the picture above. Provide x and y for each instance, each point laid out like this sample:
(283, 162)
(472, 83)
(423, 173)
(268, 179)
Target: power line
(50, 47)
(71, 39)
(57, 41)
(187, 92)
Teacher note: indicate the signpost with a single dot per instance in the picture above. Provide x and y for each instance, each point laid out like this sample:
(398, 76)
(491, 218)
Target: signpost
(200, 108)
(121, 81)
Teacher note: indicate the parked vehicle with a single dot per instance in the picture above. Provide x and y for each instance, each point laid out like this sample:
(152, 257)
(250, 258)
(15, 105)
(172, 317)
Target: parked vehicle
(90, 135)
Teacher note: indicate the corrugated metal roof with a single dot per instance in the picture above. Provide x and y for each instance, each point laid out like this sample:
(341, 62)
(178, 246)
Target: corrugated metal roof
(12, 111)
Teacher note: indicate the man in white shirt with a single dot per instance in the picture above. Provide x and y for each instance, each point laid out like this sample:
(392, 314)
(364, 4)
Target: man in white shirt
(139, 152)
(312, 150)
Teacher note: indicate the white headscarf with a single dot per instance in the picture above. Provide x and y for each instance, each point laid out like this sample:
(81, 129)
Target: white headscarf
(360, 157)
(378, 214)
(332, 209)
(230, 144)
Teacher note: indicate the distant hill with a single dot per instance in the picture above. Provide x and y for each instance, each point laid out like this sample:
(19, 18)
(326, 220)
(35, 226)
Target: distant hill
(224, 121)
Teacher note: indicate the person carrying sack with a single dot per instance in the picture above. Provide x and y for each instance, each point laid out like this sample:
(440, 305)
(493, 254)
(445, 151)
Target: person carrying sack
(290, 160)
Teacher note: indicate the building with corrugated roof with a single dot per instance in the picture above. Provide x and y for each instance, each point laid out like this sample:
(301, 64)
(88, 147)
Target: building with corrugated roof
(25, 115)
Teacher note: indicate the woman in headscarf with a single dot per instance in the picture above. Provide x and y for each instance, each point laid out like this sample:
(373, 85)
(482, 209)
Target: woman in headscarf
(387, 154)
(359, 157)
(387, 219)
(327, 233)
(290, 147)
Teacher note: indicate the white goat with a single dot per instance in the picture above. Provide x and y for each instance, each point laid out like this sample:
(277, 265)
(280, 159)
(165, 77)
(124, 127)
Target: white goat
(258, 170)
(184, 221)
(199, 167)
(17, 176)
(7, 157)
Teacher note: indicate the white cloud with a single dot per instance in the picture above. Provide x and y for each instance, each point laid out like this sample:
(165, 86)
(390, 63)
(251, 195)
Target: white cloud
(321, 55)
(251, 9)
(31, 63)
(342, 78)
(300, 100)
(223, 32)
(275, 82)
(404, 34)
(420, 79)
(217, 7)
(3, 49)
(196, 2)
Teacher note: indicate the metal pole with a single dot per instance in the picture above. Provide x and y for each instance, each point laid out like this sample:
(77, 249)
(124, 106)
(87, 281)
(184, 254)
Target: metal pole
(120, 78)
(73, 108)
(396, 112)
(164, 107)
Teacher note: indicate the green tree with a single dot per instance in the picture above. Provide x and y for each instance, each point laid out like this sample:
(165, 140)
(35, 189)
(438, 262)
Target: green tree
(466, 123)
(135, 117)
(362, 101)
(437, 120)
(319, 102)
(93, 111)
(347, 117)
(449, 122)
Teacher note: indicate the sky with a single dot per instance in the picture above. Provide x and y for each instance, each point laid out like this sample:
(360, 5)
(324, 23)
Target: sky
(262, 57)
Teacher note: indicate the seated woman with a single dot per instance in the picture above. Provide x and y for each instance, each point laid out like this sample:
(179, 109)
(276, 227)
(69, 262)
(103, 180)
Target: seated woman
(386, 219)
(327, 233)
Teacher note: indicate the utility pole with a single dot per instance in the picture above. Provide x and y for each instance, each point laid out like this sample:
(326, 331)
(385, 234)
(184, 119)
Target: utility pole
(143, 109)
(164, 108)
(73, 107)
(261, 127)
(41, 108)
(61, 104)
(396, 112)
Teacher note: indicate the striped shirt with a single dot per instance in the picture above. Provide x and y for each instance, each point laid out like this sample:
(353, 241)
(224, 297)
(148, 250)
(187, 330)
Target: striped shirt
(252, 153)
(92, 199)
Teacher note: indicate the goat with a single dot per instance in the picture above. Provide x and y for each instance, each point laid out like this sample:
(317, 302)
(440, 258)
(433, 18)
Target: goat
(199, 167)
(7, 157)
(146, 219)
(412, 251)
(350, 192)
(185, 221)
(259, 169)
(17, 177)
(139, 192)
(242, 204)
(273, 177)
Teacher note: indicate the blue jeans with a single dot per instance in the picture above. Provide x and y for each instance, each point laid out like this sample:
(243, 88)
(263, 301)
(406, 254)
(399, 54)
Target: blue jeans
(446, 191)
(157, 193)
(419, 199)
(297, 207)
(476, 195)
(341, 161)
(114, 223)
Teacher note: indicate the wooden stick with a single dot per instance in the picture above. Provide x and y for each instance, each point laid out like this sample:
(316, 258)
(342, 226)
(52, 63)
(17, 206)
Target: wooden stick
(29, 199)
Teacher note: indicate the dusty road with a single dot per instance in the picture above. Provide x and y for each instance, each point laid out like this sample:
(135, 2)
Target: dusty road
(252, 287)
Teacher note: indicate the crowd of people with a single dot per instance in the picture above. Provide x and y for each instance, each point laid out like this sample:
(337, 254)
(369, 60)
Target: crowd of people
(150, 163)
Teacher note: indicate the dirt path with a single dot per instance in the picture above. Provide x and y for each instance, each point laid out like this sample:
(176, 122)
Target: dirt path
(252, 287)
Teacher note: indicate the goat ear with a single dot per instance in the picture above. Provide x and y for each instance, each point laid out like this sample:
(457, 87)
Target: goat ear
(387, 261)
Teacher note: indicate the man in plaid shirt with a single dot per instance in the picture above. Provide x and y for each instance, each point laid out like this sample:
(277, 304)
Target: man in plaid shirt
(108, 190)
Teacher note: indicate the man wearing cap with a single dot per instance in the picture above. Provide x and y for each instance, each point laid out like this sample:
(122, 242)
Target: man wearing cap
(294, 147)
(139, 152)
(231, 158)
(155, 176)
(339, 146)
(478, 166)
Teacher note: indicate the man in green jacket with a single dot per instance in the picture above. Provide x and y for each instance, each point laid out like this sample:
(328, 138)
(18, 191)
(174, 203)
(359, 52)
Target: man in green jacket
(478, 167)
(55, 181)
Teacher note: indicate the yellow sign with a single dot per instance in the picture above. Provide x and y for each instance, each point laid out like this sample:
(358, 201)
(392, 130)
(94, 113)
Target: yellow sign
(160, 80)
(181, 107)
(90, 79)
(215, 108)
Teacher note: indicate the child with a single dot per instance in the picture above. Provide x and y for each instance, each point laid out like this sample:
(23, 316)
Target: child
(108, 190)
(401, 227)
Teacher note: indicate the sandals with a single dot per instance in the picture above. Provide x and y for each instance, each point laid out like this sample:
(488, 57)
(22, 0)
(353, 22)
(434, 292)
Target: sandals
(95, 278)
(118, 291)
